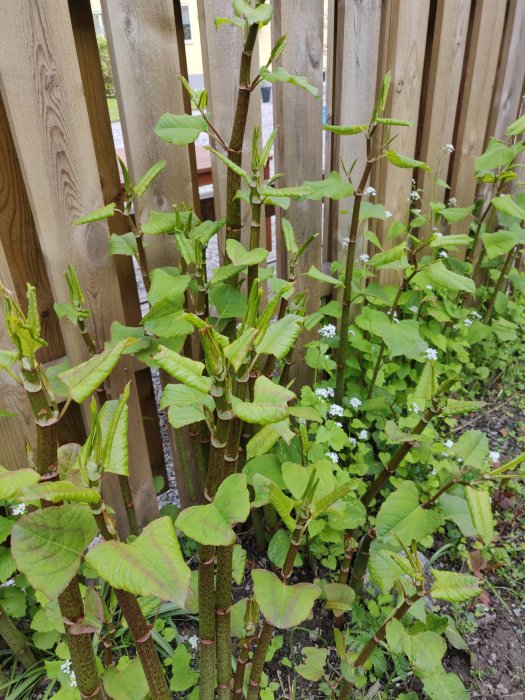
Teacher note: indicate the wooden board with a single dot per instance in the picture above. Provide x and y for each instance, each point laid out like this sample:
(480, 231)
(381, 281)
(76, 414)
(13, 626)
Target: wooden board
(51, 131)
(146, 67)
(476, 99)
(442, 92)
(221, 78)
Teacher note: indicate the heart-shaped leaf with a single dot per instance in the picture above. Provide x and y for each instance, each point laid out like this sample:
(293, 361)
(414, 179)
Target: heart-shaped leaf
(150, 565)
(185, 405)
(270, 403)
(242, 257)
(401, 516)
(126, 680)
(283, 605)
(180, 129)
(480, 508)
(280, 336)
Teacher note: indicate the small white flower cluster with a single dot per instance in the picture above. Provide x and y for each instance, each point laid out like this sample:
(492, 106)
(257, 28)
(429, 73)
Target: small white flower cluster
(414, 196)
(467, 322)
(416, 211)
(333, 456)
(7, 584)
(338, 423)
(428, 286)
(388, 214)
(370, 192)
(414, 309)
(336, 410)
(364, 258)
(363, 435)
(325, 392)
(452, 202)
(328, 331)
(414, 408)
(448, 147)
(301, 421)
(66, 668)
(193, 642)
(352, 441)
(449, 443)
(345, 242)
(443, 254)
(494, 456)
(351, 331)
(476, 315)
(431, 354)
(393, 314)
(355, 402)
(20, 509)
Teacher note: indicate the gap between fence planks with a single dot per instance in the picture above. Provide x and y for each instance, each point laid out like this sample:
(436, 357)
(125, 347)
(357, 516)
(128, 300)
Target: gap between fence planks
(50, 127)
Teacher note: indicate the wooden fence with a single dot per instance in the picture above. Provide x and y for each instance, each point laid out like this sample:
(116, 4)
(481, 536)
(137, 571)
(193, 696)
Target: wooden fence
(458, 71)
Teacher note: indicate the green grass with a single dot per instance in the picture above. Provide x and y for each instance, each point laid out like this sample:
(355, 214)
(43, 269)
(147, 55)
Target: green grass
(113, 109)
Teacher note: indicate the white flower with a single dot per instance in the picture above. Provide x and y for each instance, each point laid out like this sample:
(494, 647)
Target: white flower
(429, 286)
(333, 456)
(66, 666)
(444, 454)
(459, 460)
(345, 242)
(388, 214)
(494, 456)
(301, 421)
(321, 393)
(351, 331)
(194, 642)
(335, 410)
(439, 234)
(7, 584)
(370, 192)
(20, 509)
(414, 309)
(329, 391)
(415, 408)
(449, 443)
(364, 258)
(431, 353)
(448, 147)
(338, 423)
(434, 472)
(352, 441)
(355, 402)
(73, 680)
(328, 331)
(475, 314)
(363, 435)
(417, 211)
(452, 202)
(443, 254)
(414, 195)
(467, 322)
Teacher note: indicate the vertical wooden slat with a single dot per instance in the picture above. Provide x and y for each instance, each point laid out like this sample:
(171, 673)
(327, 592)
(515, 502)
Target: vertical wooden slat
(405, 54)
(94, 92)
(511, 72)
(442, 90)
(356, 64)
(221, 78)
(50, 127)
(476, 99)
(144, 54)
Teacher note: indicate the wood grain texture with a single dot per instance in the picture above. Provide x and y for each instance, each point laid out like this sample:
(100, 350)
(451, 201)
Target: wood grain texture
(476, 100)
(13, 431)
(144, 53)
(51, 130)
(221, 55)
(354, 80)
(442, 91)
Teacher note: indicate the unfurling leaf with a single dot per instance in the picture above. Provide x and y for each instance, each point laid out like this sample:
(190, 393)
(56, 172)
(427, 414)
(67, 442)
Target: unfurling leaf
(283, 605)
(454, 587)
(280, 75)
(85, 378)
(97, 215)
(186, 371)
(481, 513)
(148, 177)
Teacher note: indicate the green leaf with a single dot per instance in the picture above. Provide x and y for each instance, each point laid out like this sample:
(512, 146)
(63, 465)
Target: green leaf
(401, 516)
(403, 339)
(113, 418)
(238, 351)
(389, 256)
(12, 482)
(97, 215)
(165, 319)
(85, 378)
(394, 122)
(186, 405)
(457, 407)
(455, 214)
(332, 186)
(346, 130)
(267, 465)
(186, 371)
(396, 636)
(260, 15)
(48, 544)
(455, 508)
(180, 129)
(152, 564)
(284, 606)
(266, 491)
(425, 651)
(316, 274)
(472, 448)
(7, 358)
(160, 222)
(278, 549)
(184, 677)
(263, 441)
(444, 686)
(451, 241)
(6, 525)
(498, 154)
(506, 205)
(7, 565)
(338, 596)
(289, 236)
(212, 523)
(269, 403)
(441, 277)
(454, 587)
(241, 257)
(517, 127)
(123, 244)
(168, 283)
(314, 661)
(498, 243)
(371, 211)
(230, 164)
(481, 513)
(148, 177)
(225, 272)
(239, 556)
(57, 491)
(280, 337)
(228, 301)
(404, 161)
(280, 75)
(126, 681)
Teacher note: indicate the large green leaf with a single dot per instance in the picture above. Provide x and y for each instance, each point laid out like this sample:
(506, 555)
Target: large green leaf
(48, 544)
(126, 680)
(270, 403)
(58, 491)
(332, 186)
(85, 378)
(401, 515)
(238, 351)
(113, 418)
(498, 243)
(186, 371)
(121, 244)
(454, 587)
(183, 677)
(403, 338)
(425, 651)
(263, 441)
(506, 205)
(12, 482)
(472, 448)
(150, 565)
(455, 508)
(455, 214)
(444, 686)
(241, 257)
(212, 523)
(280, 336)
(228, 301)
(382, 568)
(440, 277)
(166, 319)
(168, 283)
(280, 75)
(283, 605)
(185, 405)
(261, 14)
(312, 667)
(481, 513)
(180, 129)
(404, 161)
(269, 465)
(319, 276)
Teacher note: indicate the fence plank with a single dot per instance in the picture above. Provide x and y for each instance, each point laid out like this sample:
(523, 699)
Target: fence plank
(354, 87)
(476, 98)
(221, 78)
(50, 127)
(144, 53)
(442, 91)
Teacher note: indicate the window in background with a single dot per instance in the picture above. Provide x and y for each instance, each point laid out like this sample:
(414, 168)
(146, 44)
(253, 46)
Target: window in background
(186, 22)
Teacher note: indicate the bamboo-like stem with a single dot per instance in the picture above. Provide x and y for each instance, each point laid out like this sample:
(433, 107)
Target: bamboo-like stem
(16, 640)
(255, 234)
(342, 351)
(361, 562)
(143, 261)
(499, 284)
(238, 679)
